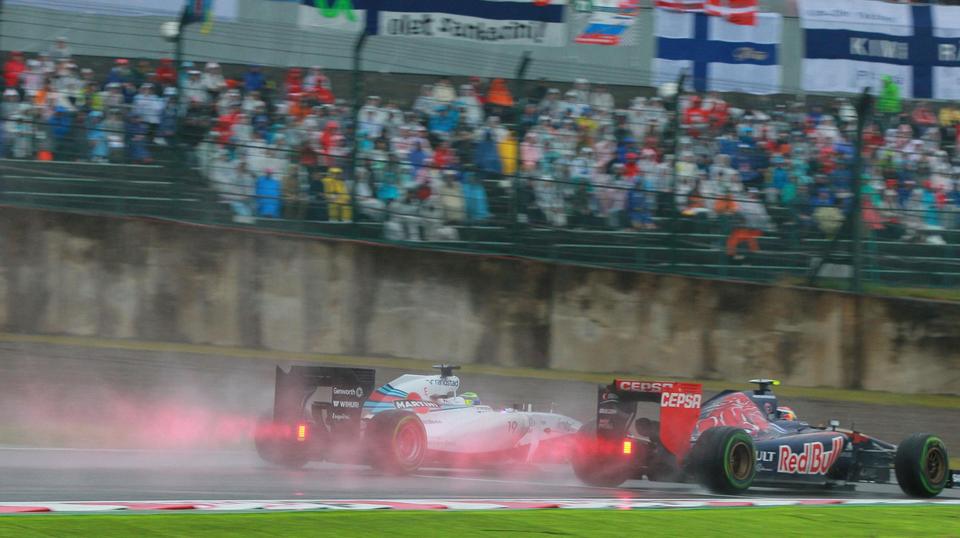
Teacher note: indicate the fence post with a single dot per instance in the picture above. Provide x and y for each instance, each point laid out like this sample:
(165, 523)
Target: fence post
(178, 72)
(518, 105)
(355, 120)
(672, 206)
(519, 81)
(864, 108)
(854, 221)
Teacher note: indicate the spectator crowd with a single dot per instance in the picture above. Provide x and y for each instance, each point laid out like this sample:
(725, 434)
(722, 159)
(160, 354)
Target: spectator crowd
(480, 151)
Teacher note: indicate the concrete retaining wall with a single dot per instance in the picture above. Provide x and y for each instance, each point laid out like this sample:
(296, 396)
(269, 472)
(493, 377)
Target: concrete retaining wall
(83, 275)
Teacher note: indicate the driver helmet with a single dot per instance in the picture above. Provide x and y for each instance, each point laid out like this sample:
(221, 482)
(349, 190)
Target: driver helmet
(785, 413)
(470, 398)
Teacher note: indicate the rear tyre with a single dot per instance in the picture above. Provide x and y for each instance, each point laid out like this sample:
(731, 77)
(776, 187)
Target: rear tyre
(397, 441)
(274, 444)
(663, 468)
(594, 468)
(724, 460)
(922, 465)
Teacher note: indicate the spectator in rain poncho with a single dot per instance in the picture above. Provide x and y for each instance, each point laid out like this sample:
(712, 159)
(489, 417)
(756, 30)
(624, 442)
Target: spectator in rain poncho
(476, 199)
(404, 222)
(889, 104)
(268, 195)
(470, 105)
(754, 220)
(97, 138)
(488, 156)
(451, 195)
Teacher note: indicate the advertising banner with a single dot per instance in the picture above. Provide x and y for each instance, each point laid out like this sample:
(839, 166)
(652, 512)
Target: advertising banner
(221, 10)
(515, 22)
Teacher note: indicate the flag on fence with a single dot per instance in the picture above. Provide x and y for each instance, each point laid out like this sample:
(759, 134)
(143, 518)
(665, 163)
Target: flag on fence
(735, 11)
(198, 11)
(718, 54)
(856, 45)
(609, 22)
(681, 5)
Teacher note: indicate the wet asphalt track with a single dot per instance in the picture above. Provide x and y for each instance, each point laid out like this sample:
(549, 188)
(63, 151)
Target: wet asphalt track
(148, 426)
(115, 475)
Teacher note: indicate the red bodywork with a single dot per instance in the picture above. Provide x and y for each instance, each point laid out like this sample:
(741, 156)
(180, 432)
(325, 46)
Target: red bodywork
(735, 410)
(679, 409)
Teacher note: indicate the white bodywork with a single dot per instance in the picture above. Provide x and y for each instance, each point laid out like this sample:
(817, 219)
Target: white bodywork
(456, 428)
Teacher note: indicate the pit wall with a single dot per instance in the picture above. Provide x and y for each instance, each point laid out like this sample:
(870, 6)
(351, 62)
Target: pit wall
(135, 279)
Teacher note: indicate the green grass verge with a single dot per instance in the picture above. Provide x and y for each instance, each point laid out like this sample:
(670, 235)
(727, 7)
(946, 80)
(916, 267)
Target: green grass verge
(790, 521)
(880, 290)
(940, 401)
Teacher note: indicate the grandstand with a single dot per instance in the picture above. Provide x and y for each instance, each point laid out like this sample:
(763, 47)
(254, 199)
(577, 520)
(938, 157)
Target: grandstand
(738, 187)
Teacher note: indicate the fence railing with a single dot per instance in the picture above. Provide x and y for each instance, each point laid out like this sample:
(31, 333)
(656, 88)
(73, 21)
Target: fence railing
(690, 229)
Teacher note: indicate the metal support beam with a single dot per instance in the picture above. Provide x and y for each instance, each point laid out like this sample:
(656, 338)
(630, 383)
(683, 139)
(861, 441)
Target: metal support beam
(853, 224)
(864, 110)
(355, 119)
(675, 128)
(519, 81)
(178, 71)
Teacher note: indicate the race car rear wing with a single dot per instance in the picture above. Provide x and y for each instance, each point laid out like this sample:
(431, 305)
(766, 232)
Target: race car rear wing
(679, 410)
(349, 388)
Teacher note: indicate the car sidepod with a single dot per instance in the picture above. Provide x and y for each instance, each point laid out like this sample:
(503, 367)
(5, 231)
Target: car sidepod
(800, 458)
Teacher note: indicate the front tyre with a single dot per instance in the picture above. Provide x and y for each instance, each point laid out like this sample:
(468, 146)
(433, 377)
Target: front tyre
(922, 465)
(397, 442)
(724, 460)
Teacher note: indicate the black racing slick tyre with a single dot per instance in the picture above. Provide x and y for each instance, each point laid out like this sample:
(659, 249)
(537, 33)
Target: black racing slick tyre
(276, 448)
(397, 442)
(922, 465)
(724, 460)
(594, 468)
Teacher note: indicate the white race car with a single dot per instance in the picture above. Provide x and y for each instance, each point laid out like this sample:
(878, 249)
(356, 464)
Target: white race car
(335, 414)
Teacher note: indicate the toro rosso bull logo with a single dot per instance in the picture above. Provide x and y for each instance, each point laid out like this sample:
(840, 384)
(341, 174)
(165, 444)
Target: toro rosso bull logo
(813, 460)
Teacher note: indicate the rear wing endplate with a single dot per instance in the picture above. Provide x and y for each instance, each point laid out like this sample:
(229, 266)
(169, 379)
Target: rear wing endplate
(350, 387)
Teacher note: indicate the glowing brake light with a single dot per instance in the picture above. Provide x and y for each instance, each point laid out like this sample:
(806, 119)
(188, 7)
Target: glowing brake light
(301, 432)
(627, 446)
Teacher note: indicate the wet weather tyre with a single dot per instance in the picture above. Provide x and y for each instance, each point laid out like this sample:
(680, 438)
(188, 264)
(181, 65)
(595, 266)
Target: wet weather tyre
(398, 442)
(274, 448)
(591, 466)
(724, 460)
(664, 469)
(922, 465)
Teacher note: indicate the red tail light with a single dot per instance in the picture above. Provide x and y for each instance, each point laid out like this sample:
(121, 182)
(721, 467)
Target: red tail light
(301, 432)
(627, 446)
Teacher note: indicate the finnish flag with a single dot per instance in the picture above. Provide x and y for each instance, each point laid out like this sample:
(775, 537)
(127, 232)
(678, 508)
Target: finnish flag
(853, 45)
(718, 55)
